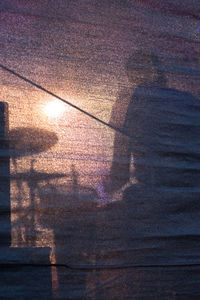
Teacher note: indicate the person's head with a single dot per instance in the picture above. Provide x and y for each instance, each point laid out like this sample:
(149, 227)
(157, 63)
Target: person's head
(144, 67)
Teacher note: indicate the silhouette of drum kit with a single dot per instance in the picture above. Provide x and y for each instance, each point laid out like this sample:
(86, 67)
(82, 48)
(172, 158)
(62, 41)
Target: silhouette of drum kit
(26, 141)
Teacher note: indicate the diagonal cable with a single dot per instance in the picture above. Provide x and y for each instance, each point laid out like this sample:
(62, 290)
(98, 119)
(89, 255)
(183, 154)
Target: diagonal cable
(63, 100)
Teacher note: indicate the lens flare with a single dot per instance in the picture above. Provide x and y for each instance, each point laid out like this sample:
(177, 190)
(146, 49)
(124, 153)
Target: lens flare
(54, 109)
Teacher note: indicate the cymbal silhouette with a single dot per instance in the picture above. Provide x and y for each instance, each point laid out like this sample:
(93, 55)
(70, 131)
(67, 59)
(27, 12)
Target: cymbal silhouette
(36, 176)
(28, 140)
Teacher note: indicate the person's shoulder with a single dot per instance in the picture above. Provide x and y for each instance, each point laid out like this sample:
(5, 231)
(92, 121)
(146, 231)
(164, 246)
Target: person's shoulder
(173, 94)
(151, 93)
(181, 96)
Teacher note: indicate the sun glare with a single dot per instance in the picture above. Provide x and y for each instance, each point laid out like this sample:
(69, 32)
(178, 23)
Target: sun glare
(54, 108)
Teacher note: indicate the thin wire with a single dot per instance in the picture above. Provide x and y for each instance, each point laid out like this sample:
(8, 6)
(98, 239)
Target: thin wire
(63, 100)
(81, 267)
(98, 267)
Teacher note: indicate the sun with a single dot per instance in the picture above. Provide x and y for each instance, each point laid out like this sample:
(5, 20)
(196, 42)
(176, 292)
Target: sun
(54, 108)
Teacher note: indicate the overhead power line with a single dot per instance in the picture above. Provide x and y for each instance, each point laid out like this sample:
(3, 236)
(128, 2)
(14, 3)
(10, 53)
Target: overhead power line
(63, 100)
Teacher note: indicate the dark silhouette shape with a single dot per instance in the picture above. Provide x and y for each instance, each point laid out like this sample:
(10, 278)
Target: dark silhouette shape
(26, 225)
(15, 259)
(27, 141)
(165, 127)
(69, 209)
(30, 140)
(159, 212)
(144, 117)
(141, 68)
(5, 227)
(59, 209)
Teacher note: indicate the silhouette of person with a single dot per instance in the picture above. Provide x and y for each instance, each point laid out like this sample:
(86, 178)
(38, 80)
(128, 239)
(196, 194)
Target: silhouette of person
(142, 71)
(160, 208)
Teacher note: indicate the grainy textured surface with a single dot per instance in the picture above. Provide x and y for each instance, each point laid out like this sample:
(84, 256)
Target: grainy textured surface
(108, 58)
